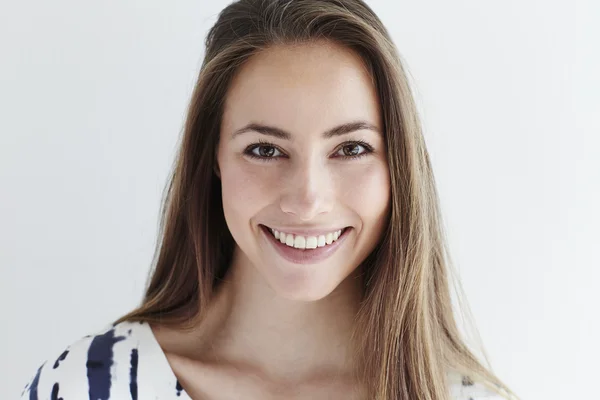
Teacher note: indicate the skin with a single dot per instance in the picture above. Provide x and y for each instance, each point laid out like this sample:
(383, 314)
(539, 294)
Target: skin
(277, 329)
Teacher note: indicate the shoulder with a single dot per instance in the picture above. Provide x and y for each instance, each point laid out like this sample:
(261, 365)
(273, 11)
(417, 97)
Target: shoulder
(462, 387)
(90, 367)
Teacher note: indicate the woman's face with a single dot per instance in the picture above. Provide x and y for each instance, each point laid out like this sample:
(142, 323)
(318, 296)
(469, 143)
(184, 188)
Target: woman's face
(301, 151)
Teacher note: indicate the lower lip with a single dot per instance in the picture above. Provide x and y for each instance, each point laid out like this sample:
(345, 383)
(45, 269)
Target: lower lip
(304, 256)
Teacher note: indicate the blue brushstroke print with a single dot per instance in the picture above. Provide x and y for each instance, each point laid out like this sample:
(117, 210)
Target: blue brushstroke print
(99, 361)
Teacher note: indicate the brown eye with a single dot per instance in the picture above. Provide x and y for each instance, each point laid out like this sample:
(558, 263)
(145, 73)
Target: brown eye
(266, 151)
(263, 151)
(351, 149)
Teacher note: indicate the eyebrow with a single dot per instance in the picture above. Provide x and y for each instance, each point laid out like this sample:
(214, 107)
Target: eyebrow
(282, 134)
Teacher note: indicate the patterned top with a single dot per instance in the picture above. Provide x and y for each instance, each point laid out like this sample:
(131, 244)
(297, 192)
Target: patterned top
(125, 361)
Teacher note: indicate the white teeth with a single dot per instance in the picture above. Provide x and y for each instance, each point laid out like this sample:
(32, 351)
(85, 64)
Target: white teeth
(321, 241)
(306, 242)
(300, 242)
(289, 240)
(329, 238)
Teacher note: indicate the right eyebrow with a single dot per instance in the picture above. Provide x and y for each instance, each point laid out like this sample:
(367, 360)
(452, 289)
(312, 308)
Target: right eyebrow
(282, 134)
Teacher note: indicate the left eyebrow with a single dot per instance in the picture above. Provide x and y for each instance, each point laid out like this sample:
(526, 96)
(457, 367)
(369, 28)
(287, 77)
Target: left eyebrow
(282, 134)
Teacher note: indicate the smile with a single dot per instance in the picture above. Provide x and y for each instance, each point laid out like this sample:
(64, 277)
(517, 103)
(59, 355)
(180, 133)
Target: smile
(301, 249)
(306, 242)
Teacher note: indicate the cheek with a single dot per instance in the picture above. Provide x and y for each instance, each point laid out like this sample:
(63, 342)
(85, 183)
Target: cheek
(245, 189)
(366, 190)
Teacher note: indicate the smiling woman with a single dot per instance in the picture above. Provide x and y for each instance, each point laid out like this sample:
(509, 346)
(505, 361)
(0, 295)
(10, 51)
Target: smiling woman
(323, 169)
(302, 252)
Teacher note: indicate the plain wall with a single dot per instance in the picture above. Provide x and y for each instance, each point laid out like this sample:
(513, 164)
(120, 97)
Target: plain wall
(92, 102)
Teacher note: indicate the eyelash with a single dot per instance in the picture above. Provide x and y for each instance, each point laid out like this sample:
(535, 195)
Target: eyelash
(250, 148)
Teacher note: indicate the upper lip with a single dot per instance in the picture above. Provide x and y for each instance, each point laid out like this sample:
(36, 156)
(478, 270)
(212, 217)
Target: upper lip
(305, 231)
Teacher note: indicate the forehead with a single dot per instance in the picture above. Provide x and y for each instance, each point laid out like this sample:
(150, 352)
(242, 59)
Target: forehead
(302, 88)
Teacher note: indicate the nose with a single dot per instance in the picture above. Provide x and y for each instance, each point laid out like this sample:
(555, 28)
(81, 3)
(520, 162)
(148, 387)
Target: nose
(308, 191)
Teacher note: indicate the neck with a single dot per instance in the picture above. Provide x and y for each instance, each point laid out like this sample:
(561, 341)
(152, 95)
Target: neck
(285, 340)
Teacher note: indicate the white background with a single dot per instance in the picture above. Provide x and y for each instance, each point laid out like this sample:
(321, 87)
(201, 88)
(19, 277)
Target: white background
(92, 102)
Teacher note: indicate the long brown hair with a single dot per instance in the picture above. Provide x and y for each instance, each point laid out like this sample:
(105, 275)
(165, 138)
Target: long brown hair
(406, 332)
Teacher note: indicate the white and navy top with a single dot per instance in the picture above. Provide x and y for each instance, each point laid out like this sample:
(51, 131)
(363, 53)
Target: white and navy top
(125, 361)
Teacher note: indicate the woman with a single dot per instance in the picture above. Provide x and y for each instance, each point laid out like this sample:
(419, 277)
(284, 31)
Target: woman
(302, 251)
